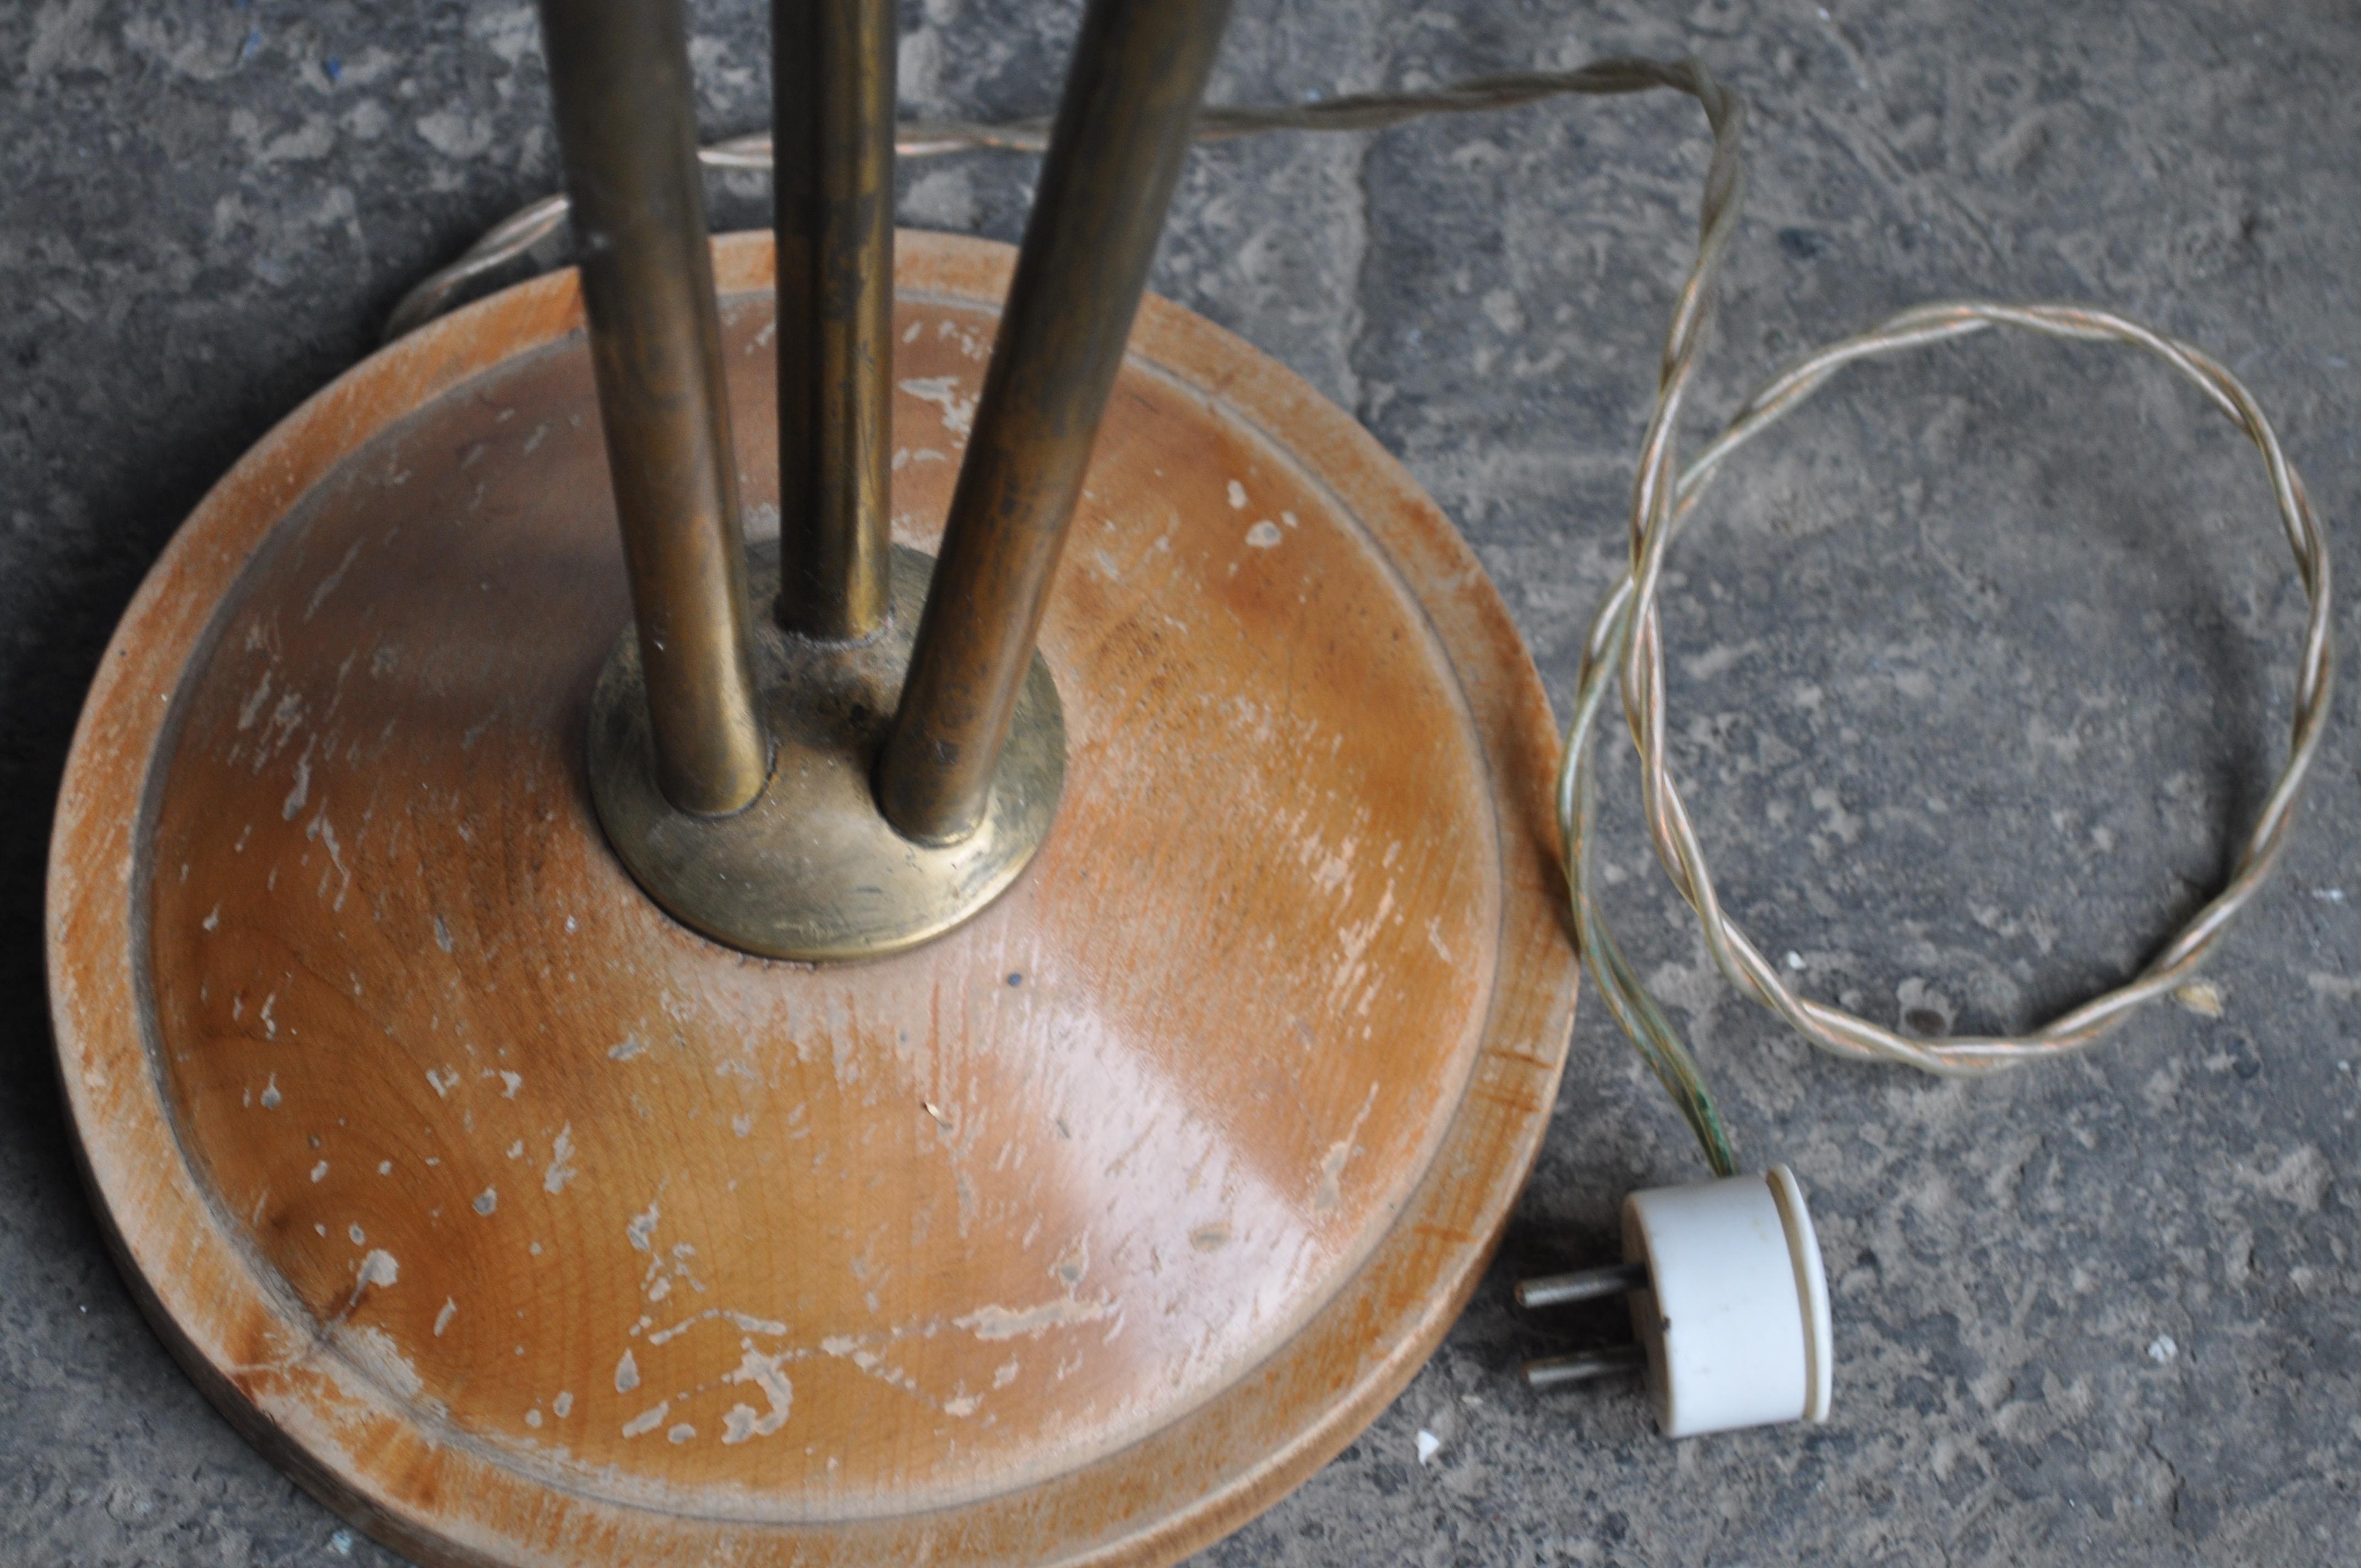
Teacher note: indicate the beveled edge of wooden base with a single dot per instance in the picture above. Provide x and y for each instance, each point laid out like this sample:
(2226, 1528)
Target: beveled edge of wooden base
(340, 1437)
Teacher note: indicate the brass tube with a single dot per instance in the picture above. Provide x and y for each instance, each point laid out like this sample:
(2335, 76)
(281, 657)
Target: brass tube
(832, 88)
(618, 75)
(1122, 128)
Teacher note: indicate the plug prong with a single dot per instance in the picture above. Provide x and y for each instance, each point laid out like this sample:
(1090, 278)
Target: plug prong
(1584, 1366)
(1583, 1285)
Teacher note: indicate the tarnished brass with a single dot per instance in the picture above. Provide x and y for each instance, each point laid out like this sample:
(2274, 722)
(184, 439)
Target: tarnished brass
(890, 808)
(626, 123)
(832, 89)
(731, 756)
(1122, 128)
(810, 869)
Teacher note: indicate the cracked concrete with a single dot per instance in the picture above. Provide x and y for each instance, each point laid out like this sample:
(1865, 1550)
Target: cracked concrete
(1977, 668)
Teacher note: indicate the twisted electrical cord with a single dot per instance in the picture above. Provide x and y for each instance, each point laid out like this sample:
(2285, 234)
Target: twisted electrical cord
(1623, 650)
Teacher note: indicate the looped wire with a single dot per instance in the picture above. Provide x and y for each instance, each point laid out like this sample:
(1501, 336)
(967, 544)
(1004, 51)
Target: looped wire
(1624, 651)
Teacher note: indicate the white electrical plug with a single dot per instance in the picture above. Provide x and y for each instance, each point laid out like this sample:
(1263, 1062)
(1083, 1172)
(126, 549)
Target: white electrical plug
(1730, 1305)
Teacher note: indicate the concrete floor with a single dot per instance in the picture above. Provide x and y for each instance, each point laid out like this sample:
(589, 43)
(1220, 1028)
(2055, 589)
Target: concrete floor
(1976, 674)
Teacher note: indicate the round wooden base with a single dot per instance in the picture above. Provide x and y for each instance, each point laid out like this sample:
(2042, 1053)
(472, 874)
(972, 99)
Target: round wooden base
(524, 1225)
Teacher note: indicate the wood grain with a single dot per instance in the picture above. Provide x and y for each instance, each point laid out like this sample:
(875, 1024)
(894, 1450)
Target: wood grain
(527, 1226)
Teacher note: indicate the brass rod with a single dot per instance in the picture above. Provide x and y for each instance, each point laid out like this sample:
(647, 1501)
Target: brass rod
(618, 75)
(832, 88)
(1122, 127)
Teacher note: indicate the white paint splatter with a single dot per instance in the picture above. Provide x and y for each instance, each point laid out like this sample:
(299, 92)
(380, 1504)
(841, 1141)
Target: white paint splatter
(562, 1404)
(248, 710)
(325, 832)
(943, 391)
(1329, 1191)
(320, 1171)
(486, 1201)
(627, 1374)
(559, 1173)
(626, 1050)
(1264, 535)
(681, 1433)
(378, 1268)
(271, 1093)
(1237, 495)
(642, 1227)
(328, 584)
(443, 1318)
(996, 1322)
(647, 1420)
(303, 790)
(510, 1083)
(763, 1372)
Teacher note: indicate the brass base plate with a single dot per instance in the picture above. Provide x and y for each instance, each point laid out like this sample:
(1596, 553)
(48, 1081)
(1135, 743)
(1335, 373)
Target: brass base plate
(811, 870)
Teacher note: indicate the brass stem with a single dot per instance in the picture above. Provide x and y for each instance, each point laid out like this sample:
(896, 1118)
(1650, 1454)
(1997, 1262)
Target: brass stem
(1122, 127)
(832, 74)
(619, 73)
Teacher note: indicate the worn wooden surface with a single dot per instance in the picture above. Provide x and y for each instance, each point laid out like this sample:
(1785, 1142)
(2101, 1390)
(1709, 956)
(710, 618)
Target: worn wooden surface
(527, 1226)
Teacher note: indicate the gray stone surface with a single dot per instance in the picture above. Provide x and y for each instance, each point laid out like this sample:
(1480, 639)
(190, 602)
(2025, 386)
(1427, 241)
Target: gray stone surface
(1976, 670)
